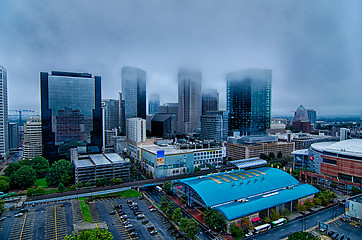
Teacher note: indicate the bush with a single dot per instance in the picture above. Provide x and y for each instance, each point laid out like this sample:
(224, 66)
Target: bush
(4, 186)
(30, 191)
(236, 231)
(39, 190)
(79, 185)
(72, 187)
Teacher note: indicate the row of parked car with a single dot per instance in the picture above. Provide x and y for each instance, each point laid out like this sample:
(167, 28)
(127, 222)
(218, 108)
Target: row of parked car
(337, 236)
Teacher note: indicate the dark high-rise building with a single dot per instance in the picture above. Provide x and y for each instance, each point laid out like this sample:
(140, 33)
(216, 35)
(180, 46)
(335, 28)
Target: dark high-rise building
(13, 136)
(153, 104)
(71, 112)
(134, 92)
(122, 115)
(210, 100)
(248, 100)
(312, 116)
(111, 114)
(163, 125)
(189, 100)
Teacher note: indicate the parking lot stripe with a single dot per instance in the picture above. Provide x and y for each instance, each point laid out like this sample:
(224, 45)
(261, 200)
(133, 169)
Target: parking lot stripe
(22, 229)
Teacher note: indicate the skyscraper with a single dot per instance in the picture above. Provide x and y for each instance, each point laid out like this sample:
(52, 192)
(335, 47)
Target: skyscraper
(70, 111)
(210, 100)
(153, 104)
(4, 130)
(111, 113)
(189, 100)
(134, 92)
(248, 100)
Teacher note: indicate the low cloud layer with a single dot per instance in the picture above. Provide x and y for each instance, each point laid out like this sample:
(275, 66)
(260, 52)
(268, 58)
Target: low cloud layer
(313, 47)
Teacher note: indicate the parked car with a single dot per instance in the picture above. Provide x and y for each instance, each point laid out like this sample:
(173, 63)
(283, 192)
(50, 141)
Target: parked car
(18, 215)
(248, 234)
(112, 213)
(141, 197)
(130, 230)
(145, 221)
(140, 216)
(23, 210)
(129, 201)
(126, 223)
(154, 232)
(118, 206)
(2, 219)
(150, 228)
(133, 234)
(170, 228)
(152, 209)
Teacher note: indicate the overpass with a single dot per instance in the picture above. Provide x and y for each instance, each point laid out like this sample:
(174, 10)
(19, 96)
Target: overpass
(93, 191)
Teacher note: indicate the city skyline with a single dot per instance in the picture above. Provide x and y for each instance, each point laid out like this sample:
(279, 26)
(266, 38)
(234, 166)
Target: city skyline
(311, 47)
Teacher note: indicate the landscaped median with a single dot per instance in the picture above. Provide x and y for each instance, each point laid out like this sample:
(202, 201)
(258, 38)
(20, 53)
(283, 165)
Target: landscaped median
(123, 194)
(85, 211)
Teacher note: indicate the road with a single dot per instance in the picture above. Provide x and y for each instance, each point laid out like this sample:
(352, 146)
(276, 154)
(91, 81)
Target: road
(157, 197)
(299, 224)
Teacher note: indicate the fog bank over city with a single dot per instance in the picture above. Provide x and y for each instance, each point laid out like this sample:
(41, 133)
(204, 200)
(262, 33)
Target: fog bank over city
(312, 47)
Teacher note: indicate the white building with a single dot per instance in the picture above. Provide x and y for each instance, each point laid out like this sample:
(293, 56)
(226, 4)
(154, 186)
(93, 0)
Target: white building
(354, 208)
(167, 160)
(32, 138)
(4, 129)
(136, 130)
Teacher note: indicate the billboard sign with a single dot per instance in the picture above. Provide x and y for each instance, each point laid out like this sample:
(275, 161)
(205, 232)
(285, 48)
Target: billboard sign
(160, 157)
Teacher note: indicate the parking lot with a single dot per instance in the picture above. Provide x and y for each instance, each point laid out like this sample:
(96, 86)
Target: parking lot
(54, 220)
(348, 229)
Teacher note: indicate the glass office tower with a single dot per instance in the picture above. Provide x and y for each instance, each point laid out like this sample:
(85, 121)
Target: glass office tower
(134, 92)
(249, 101)
(71, 112)
(4, 129)
(153, 104)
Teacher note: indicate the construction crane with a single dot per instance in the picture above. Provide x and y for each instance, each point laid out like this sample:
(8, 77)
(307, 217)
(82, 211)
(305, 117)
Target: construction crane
(20, 111)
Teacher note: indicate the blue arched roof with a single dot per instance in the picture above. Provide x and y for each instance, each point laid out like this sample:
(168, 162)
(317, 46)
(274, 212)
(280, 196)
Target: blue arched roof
(262, 188)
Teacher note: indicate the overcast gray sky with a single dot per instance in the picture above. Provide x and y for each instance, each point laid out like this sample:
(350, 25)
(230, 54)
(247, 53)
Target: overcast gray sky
(314, 48)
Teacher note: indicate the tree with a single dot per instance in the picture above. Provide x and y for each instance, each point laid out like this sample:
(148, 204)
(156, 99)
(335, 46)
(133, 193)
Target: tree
(214, 219)
(302, 236)
(79, 185)
(2, 203)
(61, 187)
(170, 209)
(284, 212)
(317, 201)
(300, 207)
(274, 215)
(279, 154)
(164, 204)
(267, 220)
(356, 190)
(71, 187)
(23, 178)
(236, 231)
(167, 187)
(176, 216)
(4, 186)
(98, 182)
(40, 165)
(90, 234)
(246, 223)
(183, 199)
(61, 171)
(115, 181)
(87, 184)
(104, 181)
(11, 168)
(264, 156)
(271, 155)
(190, 227)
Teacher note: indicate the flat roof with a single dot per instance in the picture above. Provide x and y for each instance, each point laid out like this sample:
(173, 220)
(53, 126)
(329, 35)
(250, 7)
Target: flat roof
(171, 149)
(256, 163)
(98, 160)
(351, 147)
(258, 188)
(301, 152)
(357, 198)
